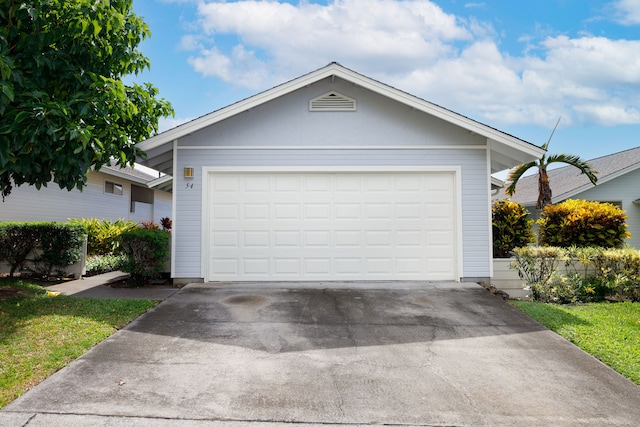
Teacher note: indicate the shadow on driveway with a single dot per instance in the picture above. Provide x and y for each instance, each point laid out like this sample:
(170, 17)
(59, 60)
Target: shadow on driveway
(333, 354)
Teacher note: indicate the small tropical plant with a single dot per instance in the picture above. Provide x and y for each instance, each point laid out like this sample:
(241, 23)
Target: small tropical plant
(166, 224)
(149, 225)
(544, 188)
(102, 234)
(99, 264)
(582, 223)
(537, 266)
(511, 227)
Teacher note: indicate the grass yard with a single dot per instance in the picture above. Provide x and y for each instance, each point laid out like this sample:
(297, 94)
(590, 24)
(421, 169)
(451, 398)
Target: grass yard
(608, 331)
(39, 333)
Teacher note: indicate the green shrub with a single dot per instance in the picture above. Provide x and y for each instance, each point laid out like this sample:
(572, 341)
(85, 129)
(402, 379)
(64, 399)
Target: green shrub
(538, 266)
(146, 251)
(582, 223)
(619, 270)
(49, 244)
(99, 264)
(17, 241)
(511, 227)
(102, 234)
(589, 274)
(60, 245)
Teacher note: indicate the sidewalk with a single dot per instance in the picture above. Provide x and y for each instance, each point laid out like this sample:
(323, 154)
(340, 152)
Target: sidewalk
(96, 287)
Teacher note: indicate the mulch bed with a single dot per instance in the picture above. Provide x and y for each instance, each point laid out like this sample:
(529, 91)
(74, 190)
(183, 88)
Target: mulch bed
(9, 292)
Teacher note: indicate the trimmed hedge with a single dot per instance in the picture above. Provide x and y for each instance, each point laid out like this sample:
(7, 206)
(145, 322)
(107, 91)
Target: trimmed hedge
(51, 245)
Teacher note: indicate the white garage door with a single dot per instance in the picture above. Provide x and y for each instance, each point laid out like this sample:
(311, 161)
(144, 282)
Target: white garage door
(331, 226)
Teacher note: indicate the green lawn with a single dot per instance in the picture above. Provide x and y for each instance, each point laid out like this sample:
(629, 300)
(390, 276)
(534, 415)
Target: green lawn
(608, 331)
(39, 333)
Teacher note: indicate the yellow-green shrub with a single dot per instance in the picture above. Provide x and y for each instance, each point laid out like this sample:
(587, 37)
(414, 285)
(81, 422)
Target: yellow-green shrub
(103, 234)
(511, 227)
(582, 223)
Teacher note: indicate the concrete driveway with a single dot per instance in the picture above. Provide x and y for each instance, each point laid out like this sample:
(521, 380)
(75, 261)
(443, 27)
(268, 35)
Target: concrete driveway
(319, 353)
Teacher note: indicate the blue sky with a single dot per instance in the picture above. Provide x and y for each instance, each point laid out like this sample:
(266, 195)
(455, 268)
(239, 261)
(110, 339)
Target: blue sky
(514, 65)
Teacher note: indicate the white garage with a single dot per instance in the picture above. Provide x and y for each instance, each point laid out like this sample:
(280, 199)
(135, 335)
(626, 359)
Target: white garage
(332, 176)
(297, 226)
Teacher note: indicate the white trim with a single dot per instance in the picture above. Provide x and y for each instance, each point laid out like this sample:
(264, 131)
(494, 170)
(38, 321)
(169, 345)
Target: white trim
(459, 261)
(208, 170)
(205, 222)
(174, 206)
(489, 213)
(336, 147)
(320, 169)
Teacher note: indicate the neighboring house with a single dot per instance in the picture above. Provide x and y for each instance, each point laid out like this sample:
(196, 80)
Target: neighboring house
(333, 176)
(618, 183)
(110, 193)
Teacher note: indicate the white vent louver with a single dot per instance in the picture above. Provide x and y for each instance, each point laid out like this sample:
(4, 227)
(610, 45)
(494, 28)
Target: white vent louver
(332, 101)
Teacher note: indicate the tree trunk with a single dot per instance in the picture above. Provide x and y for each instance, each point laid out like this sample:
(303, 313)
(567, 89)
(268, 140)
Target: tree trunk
(544, 190)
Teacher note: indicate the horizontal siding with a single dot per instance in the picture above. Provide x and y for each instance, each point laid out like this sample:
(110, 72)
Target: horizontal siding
(187, 225)
(475, 205)
(51, 203)
(162, 203)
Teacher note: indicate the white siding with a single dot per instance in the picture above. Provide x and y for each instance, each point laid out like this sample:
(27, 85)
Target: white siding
(51, 203)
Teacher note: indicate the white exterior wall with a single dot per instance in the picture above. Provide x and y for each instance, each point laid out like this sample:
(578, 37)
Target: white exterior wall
(623, 189)
(292, 136)
(51, 203)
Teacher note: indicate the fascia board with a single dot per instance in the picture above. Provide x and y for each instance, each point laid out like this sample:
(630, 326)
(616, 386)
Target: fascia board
(123, 175)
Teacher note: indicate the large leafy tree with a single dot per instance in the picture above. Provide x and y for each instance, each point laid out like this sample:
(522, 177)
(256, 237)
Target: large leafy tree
(63, 104)
(544, 189)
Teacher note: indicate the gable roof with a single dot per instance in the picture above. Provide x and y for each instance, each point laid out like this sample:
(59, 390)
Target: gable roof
(506, 150)
(567, 181)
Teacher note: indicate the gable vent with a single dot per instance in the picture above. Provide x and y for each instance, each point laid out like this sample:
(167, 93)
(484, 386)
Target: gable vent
(332, 101)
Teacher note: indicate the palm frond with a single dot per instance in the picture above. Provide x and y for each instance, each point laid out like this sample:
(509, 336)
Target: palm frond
(576, 162)
(516, 174)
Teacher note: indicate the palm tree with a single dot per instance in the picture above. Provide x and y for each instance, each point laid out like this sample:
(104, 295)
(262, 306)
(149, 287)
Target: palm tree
(544, 190)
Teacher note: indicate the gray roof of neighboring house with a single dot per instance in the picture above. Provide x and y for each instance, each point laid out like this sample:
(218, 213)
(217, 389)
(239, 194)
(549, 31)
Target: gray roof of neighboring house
(567, 181)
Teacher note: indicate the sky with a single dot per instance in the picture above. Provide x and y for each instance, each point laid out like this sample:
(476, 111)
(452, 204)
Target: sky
(516, 65)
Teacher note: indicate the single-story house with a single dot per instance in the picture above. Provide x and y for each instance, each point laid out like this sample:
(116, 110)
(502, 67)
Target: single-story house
(618, 178)
(111, 193)
(333, 176)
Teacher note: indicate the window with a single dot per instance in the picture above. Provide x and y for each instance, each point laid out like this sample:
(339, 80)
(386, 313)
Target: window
(113, 188)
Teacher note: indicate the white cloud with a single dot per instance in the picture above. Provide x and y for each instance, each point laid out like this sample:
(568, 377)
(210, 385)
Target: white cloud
(628, 11)
(415, 46)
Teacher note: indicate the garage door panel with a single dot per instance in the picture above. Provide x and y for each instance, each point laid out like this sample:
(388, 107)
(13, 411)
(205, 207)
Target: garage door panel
(331, 226)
